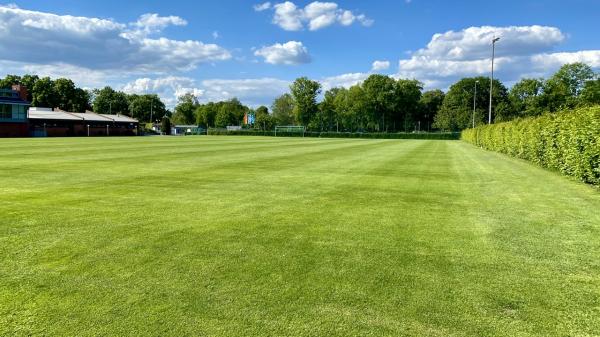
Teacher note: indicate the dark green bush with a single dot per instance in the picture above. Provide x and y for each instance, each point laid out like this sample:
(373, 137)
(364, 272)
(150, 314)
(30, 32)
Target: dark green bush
(380, 135)
(166, 126)
(567, 141)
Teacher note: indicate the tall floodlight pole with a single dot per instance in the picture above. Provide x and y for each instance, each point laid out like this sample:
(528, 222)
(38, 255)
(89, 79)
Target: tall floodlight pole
(494, 40)
(474, 103)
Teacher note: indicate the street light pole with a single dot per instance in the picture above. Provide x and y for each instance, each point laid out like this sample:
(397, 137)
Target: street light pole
(151, 121)
(474, 103)
(494, 40)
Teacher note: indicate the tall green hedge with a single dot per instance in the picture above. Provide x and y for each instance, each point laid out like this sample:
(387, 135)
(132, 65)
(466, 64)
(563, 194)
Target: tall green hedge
(373, 135)
(567, 141)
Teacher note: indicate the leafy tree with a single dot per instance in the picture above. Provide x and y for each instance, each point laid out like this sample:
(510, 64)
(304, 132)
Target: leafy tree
(9, 80)
(225, 117)
(343, 112)
(207, 113)
(590, 95)
(44, 94)
(220, 114)
(456, 112)
(305, 94)
(380, 94)
(429, 105)
(29, 82)
(185, 110)
(562, 90)
(65, 94)
(283, 110)
(327, 117)
(263, 120)
(143, 107)
(165, 126)
(525, 96)
(109, 101)
(238, 110)
(574, 76)
(405, 104)
(351, 106)
(80, 101)
(262, 110)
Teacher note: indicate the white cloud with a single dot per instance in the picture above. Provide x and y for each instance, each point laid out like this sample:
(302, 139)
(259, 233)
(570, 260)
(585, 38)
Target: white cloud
(475, 42)
(178, 55)
(320, 14)
(153, 23)
(316, 15)
(215, 35)
(289, 53)
(344, 80)
(288, 16)
(555, 60)
(253, 92)
(168, 88)
(262, 7)
(380, 65)
(522, 51)
(99, 44)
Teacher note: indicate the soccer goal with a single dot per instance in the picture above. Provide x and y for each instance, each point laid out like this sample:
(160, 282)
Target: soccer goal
(283, 130)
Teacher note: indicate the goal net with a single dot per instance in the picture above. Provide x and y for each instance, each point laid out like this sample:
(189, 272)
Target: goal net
(289, 130)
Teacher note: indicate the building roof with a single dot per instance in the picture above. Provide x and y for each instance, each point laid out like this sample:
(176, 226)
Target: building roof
(41, 113)
(57, 114)
(120, 118)
(90, 116)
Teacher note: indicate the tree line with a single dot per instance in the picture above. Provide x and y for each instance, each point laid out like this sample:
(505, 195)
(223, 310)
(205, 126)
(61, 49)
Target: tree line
(63, 94)
(384, 104)
(378, 104)
(573, 85)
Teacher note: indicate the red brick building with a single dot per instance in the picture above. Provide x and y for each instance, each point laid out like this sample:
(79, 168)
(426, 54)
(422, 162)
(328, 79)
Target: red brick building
(18, 120)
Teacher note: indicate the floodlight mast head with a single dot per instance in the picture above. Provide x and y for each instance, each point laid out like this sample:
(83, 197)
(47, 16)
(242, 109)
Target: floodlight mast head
(496, 39)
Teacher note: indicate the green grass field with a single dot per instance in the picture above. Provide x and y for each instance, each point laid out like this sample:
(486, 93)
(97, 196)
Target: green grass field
(245, 236)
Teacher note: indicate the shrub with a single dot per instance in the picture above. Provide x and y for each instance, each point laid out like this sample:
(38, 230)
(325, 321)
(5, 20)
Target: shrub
(568, 141)
(166, 126)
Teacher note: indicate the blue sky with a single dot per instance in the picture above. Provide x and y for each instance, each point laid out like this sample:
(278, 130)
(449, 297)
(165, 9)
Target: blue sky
(253, 50)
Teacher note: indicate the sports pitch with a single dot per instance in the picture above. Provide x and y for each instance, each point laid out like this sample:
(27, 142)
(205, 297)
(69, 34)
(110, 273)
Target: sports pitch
(244, 236)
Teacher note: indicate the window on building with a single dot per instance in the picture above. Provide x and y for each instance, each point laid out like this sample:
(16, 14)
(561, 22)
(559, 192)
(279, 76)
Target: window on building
(14, 112)
(5, 111)
(18, 112)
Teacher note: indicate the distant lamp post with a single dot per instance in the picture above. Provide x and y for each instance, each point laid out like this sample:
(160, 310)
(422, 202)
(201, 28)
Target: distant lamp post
(474, 103)
(494, 40)
(88, 130)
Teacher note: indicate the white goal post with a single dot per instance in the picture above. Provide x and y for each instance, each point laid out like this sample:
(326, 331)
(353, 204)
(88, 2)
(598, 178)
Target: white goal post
(290, 129)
